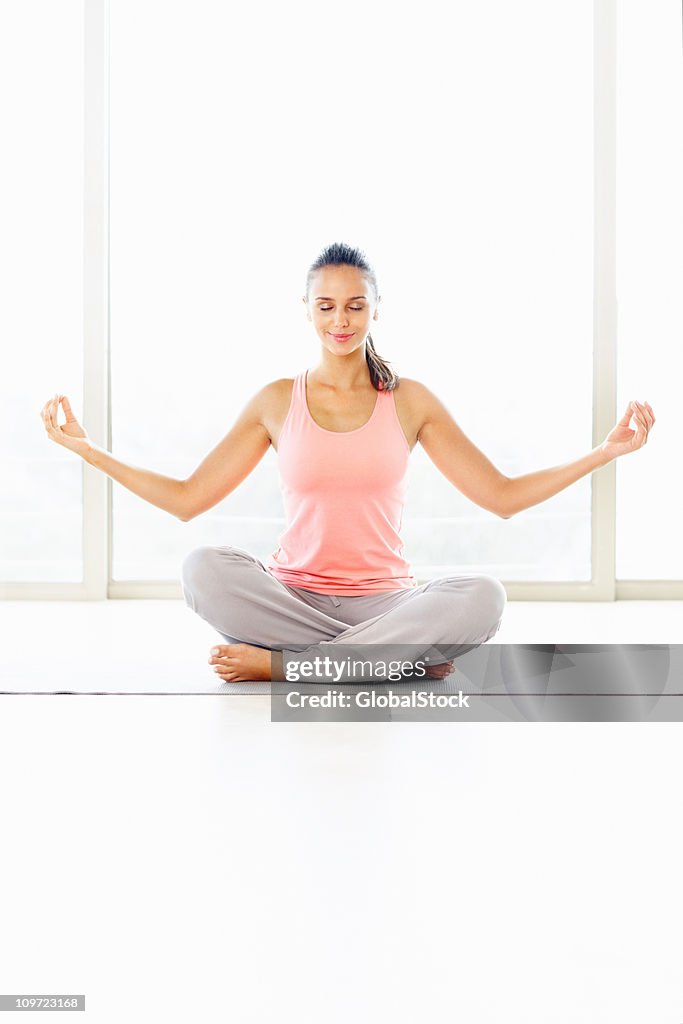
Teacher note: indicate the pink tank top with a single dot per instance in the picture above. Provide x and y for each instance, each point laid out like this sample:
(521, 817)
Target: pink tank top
(343, 494)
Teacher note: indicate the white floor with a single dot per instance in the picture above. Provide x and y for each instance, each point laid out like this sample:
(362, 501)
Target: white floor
(157, 645)
(182, 858)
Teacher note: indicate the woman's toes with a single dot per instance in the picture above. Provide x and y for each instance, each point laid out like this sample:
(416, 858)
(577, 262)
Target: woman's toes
(440, 671)
(217, 652)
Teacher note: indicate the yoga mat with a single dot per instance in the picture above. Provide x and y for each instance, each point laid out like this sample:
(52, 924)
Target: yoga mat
(532, 682)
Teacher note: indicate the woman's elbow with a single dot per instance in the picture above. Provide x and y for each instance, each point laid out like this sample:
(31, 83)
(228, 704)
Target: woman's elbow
(503, 505)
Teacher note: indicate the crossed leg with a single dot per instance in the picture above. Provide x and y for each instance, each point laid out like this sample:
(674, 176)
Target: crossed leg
(257, 614)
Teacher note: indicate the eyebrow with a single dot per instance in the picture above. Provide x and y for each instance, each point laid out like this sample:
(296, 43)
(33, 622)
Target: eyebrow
(326, 298)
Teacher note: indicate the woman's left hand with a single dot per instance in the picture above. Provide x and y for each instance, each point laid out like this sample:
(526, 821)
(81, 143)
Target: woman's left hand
(622, 439)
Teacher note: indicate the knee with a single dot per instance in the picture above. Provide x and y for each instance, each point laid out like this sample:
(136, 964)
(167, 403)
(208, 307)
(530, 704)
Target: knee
(486, 600)
(203, 564)
(491, 597)
(196, 565)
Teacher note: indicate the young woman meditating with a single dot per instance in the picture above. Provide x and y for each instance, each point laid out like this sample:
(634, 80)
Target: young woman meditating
(343, 430)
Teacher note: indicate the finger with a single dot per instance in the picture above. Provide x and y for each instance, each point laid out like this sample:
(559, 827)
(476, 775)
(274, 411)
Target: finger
(49, 428)
(53, 427)
(626, 418)
(648, 413)
(66, 406)
(642, 409)
(47, 419)
(638, 415)
(641, 432)
(645, 416)
(640, 419)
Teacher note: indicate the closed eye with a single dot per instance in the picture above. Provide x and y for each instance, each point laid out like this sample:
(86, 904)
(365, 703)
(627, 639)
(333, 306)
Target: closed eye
(356, 308)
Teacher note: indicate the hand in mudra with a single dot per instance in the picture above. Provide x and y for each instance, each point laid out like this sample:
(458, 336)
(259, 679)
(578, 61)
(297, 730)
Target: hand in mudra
(70, 434)
(622, 439)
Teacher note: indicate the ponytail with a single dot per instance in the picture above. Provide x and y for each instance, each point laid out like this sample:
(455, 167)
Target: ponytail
(381, 374)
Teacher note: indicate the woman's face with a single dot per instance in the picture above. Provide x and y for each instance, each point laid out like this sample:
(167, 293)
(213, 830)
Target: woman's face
(341, 301)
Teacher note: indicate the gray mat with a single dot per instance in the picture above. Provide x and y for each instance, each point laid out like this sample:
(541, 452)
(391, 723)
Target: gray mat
(507, 670)
(256, 688)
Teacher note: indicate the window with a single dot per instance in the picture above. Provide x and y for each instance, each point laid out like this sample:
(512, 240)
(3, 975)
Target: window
(650, 276)
(41, 266)
(461, 161)
(213, 168)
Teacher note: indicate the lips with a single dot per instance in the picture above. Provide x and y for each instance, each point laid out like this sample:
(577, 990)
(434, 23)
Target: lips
(342, 337)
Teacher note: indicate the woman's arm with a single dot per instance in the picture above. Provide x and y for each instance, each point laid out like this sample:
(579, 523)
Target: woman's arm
(220, 472)
(223, 469)
(163, 491)
(521, 492)
(452, 452)
(468, 469)
(233, 458)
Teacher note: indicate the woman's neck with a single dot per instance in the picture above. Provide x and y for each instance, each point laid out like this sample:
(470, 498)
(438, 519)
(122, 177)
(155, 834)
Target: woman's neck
(343, 373)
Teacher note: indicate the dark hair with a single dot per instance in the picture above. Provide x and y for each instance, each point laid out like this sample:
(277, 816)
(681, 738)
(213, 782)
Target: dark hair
(339, 254)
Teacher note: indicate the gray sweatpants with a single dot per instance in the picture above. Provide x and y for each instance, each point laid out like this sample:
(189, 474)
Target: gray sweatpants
(234, 592)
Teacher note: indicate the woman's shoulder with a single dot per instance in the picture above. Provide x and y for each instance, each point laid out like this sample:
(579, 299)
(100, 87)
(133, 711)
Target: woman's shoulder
(274, 400)
(416, 390)
(275, 387)
(410, 386)
(414, 403)
(413, 393)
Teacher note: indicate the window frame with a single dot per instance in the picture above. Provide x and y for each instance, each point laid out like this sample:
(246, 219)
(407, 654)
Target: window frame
(97, 581)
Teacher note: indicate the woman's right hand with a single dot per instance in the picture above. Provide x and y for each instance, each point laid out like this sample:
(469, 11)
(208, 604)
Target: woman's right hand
(70, 434)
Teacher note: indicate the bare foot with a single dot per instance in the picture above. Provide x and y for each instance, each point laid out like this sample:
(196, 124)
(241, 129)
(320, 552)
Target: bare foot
(439, 671)
(236, 663)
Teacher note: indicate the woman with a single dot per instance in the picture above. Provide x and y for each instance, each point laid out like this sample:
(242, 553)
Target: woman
(343, 432)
